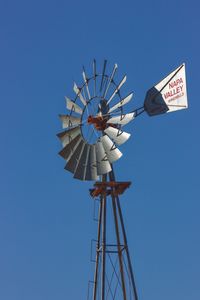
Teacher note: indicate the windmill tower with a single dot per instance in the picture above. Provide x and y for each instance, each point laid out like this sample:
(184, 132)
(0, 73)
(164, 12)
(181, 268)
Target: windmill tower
(93, 131)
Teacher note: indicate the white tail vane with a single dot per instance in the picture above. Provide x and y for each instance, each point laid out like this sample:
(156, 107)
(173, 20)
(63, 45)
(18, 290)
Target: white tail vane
(169, 95)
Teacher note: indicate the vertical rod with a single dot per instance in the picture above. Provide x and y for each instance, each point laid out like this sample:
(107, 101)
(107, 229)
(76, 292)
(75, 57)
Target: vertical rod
(119, 246)
(104, 177)
(97, 251)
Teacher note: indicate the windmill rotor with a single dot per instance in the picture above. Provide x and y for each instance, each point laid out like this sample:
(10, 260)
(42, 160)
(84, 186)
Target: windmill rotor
(93, 125)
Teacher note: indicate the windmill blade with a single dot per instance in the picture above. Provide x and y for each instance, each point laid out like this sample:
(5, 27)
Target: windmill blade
(103, 165)
(122, 119)
(110, 80)
(73, 106)
(169, 95)
(121, 103)
(118, 136)
(81, 168)
(103, 74)
(91, 168)
(117, 88)
(78, 93)
(75, 158)
(95, 75)
(69, 149)
(112, 152)
(69, 121)
(86, 82)
(68, 135)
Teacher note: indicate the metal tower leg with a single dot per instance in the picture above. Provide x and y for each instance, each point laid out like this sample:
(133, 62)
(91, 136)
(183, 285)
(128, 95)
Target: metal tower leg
(97, 251)
(112, 177)
(113, 276)
(119, 246)
(127, 250)
(103, 250)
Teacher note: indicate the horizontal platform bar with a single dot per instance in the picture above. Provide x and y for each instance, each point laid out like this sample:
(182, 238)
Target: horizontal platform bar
(115, 188)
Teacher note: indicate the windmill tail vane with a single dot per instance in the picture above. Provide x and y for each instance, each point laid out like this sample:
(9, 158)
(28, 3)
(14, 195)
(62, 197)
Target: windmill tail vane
(93, 131)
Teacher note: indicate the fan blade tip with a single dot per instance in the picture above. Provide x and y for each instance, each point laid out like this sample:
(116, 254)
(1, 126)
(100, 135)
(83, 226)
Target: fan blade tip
(60, 134)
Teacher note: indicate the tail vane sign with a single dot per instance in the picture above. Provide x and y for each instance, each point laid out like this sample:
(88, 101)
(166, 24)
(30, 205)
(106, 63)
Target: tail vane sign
(168, 95)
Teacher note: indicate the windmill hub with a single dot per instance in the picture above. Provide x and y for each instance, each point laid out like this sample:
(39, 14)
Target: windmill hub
(99, 122)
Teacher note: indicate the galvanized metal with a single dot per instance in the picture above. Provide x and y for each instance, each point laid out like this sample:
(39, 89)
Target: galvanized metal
(69, 135)
(91, 167)
(103, 165)
(118, 136)
(69, 149)
(112, 152)
(123, 119)
(121, 103)
(73, 162)
(106, 250)
(117, 89)
(73, 106)
(100, 131)
(69, 121)
(78, 93)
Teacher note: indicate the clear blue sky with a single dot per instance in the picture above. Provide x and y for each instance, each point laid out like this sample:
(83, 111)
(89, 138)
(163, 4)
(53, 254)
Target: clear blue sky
(45, 215)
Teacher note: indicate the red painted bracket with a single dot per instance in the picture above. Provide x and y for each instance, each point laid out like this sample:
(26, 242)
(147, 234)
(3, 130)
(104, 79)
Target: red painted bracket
(115, 188)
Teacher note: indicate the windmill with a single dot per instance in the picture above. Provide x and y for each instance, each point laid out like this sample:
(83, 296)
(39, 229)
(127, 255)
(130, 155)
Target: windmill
(93, 131)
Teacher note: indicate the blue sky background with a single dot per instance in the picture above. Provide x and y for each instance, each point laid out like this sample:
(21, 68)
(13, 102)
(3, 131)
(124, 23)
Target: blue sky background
(45, 215)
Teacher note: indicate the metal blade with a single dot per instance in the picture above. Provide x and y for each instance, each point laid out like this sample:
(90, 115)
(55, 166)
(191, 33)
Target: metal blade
(69, 149)
(117, 88)
(81, 168)
(121, 103)
(73, 106)
(69, 121)
(91, 168)
(94, 74)
(118, 136)
(75, 158)
(103, 165)
(86, 83)
(122, 119)
(78, 93)
(111, 150)
(68, 135)
(110, 80)
(103, 74)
